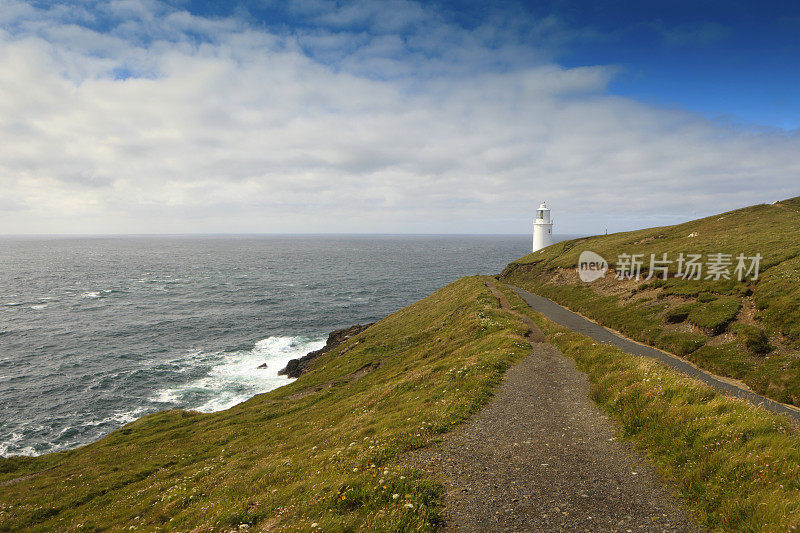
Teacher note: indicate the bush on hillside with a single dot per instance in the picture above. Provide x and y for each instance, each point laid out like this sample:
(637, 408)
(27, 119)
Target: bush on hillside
(679, 314)
(681, 343)
(753, 337)
(714, 317)
(726, 359)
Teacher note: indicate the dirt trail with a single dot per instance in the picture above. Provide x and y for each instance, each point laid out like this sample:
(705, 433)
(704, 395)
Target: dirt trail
(543, 457)
(534, 334)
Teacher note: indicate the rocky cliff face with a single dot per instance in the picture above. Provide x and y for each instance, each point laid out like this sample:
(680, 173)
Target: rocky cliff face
(295, 367)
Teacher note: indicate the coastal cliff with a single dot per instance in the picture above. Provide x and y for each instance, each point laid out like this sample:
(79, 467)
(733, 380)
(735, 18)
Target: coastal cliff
(323, 451)
(295, 367)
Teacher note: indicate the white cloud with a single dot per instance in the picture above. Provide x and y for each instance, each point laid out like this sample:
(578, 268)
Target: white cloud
(224, 127)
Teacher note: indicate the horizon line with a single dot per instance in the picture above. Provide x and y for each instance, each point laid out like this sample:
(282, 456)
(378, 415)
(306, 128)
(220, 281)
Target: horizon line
(245, 234)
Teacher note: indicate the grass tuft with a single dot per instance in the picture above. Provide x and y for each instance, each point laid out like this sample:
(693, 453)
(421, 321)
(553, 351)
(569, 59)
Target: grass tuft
(753, 338)
(680, 313)
(714, 316)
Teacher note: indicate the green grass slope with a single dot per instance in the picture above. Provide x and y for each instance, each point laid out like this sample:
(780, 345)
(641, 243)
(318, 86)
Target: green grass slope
(746, 330)
(326, 449)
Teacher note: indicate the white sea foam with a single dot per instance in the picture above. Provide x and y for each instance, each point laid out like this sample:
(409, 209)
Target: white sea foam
(12, 446)
(38, 306)
(120, 417)
(235, 377)
(126, 417)
(166, 396)
(97, 294)
(8, 450)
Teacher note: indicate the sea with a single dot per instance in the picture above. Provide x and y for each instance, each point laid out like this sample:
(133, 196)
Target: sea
(96, 332)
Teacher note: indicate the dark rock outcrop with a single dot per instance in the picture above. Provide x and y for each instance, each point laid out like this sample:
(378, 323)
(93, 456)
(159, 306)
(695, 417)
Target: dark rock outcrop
(295, 367)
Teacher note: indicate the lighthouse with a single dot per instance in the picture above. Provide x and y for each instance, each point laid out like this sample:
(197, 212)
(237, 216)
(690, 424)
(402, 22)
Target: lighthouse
(542, 228)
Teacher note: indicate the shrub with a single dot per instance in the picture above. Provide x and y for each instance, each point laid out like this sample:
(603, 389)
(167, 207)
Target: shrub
(681, 343)
(779, 377)
(678, 314)
(690, 287)
(655, 284)
(681, 287)
(714, 317)
(777, 297)
(753, 337)
(726, 359)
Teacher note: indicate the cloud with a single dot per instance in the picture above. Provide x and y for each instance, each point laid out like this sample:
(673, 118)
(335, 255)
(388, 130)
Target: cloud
(356, 124)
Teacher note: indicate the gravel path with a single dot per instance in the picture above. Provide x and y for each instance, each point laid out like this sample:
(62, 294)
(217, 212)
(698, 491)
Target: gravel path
(543, 457)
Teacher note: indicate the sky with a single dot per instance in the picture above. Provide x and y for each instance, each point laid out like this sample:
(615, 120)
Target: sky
(392, 116)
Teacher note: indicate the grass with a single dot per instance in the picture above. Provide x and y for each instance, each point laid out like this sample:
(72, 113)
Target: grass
(736, 466)
(748, 330)
(326, 449)
(713, 316)
(753, 338)
(681, 343)
(778, 299)
(679, 314)
(726, 359)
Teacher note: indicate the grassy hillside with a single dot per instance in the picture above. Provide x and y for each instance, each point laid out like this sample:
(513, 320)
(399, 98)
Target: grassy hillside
(324, 450)
(747, 330)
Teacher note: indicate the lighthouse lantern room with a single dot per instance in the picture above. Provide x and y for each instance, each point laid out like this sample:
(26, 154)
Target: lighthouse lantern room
(542, 228)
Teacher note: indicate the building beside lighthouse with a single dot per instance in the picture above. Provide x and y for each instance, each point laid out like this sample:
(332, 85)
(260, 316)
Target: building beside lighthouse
(542, 228)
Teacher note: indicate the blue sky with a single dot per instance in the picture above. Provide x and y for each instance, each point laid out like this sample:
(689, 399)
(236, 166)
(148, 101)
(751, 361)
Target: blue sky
(737, 61)
(732, 60)
(149, 116)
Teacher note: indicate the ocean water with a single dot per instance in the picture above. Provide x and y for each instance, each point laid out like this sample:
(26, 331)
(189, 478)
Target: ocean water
(96, 332)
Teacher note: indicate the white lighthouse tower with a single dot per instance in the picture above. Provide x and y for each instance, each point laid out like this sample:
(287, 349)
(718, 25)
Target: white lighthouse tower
(542, 228)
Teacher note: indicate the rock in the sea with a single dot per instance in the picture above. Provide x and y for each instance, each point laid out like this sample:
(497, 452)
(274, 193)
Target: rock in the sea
(295, 367)
(262, 365)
